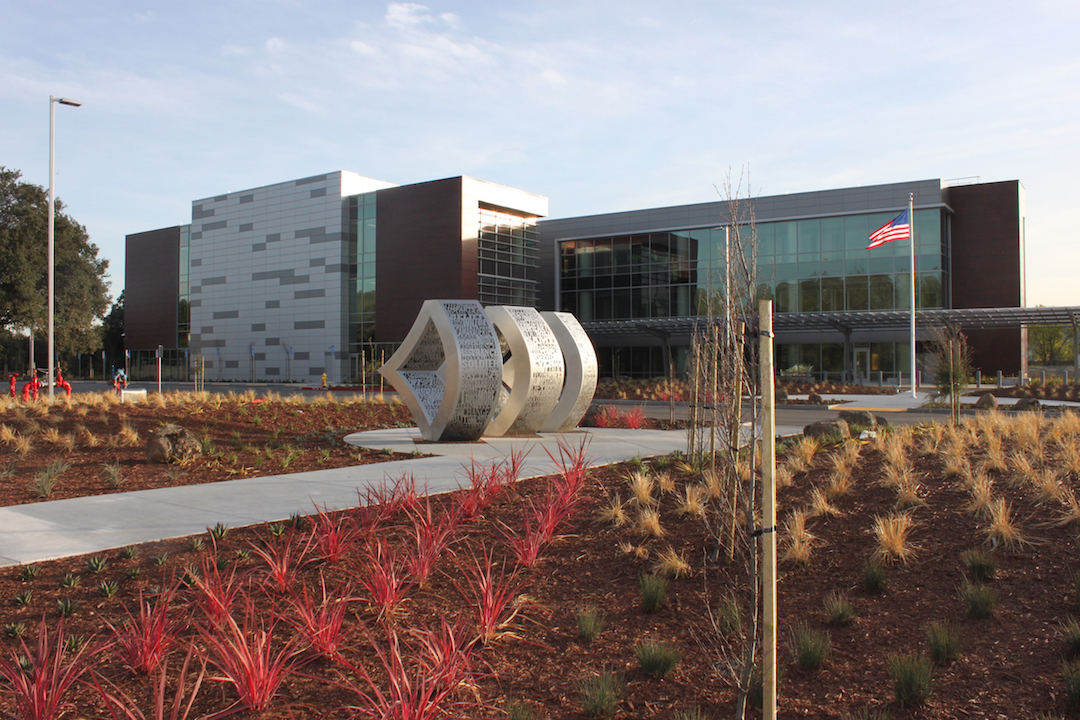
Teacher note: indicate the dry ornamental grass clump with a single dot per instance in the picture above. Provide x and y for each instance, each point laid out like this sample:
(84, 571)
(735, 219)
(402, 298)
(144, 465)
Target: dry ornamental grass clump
(1001, 528)
(797, 539)
(892, 533)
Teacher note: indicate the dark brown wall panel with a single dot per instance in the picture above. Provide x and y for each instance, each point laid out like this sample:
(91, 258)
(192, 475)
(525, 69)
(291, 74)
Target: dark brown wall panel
(988, 266)
(987, 249)
(151, 288)
(419, 253)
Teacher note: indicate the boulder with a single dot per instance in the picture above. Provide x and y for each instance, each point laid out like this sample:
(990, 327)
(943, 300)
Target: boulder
(859, 417)
(780, 395)
(882, 421)
(172, 443)
(986, 402)
(828, 428)
(815, 399)
(1028, 403)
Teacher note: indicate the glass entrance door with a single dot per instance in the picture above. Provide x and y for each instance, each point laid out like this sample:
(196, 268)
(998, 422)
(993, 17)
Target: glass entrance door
(862, 365)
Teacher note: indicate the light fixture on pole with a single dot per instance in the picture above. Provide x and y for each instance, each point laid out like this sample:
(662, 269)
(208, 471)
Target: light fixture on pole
(52, 222)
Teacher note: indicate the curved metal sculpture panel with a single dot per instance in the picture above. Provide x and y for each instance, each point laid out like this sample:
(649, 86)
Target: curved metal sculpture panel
(449, 370)
(532, 375)
(579, 357)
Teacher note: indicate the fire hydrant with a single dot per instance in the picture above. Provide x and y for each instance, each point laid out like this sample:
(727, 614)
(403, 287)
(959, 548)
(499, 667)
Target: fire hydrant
(324, 381)
(62, 383)
(13, 379)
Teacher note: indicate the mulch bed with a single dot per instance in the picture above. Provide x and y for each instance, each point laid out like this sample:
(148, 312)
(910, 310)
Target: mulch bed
(1008, 666)
(242, 437)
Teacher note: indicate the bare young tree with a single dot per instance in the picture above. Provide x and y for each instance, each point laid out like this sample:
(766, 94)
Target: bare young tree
(722, 374)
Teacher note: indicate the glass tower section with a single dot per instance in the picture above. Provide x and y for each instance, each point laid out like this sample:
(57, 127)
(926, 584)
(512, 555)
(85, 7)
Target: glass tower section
(508, 249)
(362, 226)
(183, 304)
(810, 265)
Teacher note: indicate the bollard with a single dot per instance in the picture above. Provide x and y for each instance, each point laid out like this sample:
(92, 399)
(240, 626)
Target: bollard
(999, 379)
(978, 379)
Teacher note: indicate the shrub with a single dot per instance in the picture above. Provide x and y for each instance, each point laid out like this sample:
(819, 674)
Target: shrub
(838, 608)
(729, 616)
(979, 600)
(981, 564)
(892, 536)
(517, 710)
(875, 577)
(590, 621)
(601, 695)
(1070, 631)
(653, 589)
(656, 659)
(912, 677)
(40, 690)
(694, 713)
(1070, 674)
(866, 714)
(944, 641)
(809, 647)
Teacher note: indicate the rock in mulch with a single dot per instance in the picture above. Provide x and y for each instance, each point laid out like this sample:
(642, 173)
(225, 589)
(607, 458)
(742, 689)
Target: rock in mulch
(828, 428)
(986, 402)
(815, 399)
(172, 443)
(780, 395)
(1028, 404)
(859, 417)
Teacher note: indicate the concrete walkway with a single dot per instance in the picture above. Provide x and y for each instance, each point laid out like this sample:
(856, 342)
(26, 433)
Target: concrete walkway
(62, 528)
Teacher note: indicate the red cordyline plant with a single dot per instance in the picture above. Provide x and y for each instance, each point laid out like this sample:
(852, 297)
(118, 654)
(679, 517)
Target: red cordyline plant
(322, 623)
(526, 543)
(491, 593)
(121, 705)
(608, 416)
(384, 578)
(245, 657)
(572, 463)
(635, 418)
(144, 639)
(423, 689)
(217, 590)
(487, 481)
(384, 501)
(39, 692)
(283, 561)
(333, 537)
(431, 533)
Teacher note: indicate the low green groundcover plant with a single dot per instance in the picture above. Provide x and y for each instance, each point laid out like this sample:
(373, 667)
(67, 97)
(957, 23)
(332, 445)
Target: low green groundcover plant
(912, 677)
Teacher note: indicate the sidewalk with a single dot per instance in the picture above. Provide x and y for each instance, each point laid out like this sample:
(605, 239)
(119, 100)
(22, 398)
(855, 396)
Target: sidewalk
(62, 528)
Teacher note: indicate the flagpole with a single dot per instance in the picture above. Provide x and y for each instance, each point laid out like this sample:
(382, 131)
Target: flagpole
(911, 236)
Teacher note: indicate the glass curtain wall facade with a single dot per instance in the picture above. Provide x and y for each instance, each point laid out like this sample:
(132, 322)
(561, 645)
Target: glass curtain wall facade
(508, 250)
(183, 305)
(809, 265)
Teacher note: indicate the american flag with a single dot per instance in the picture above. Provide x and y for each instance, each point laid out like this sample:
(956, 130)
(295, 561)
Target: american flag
(898, 229)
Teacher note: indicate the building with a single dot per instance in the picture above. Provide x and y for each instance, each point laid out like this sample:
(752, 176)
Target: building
(639, 280)
(280, 282)
(325, 274)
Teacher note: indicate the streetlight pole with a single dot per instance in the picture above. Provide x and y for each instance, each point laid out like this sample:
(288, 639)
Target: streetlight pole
(52, 226)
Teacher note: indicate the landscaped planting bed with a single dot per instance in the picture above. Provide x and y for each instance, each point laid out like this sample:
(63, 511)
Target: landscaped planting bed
(90, 445)
(927, 574)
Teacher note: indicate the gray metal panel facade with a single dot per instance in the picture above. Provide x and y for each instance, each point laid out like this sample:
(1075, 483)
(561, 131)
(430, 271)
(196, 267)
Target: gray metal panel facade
(252, 256)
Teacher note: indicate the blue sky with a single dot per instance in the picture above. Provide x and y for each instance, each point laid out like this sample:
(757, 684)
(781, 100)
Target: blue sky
(601, 106)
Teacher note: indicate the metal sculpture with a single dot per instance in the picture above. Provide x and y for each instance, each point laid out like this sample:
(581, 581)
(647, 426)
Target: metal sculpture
(532, 370)
(579, 358)
(449, 370)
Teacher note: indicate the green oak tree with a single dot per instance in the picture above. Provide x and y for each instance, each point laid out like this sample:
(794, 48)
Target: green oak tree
(81, 288)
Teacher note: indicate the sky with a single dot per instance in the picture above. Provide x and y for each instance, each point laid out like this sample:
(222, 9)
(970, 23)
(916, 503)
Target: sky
(600, 106)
